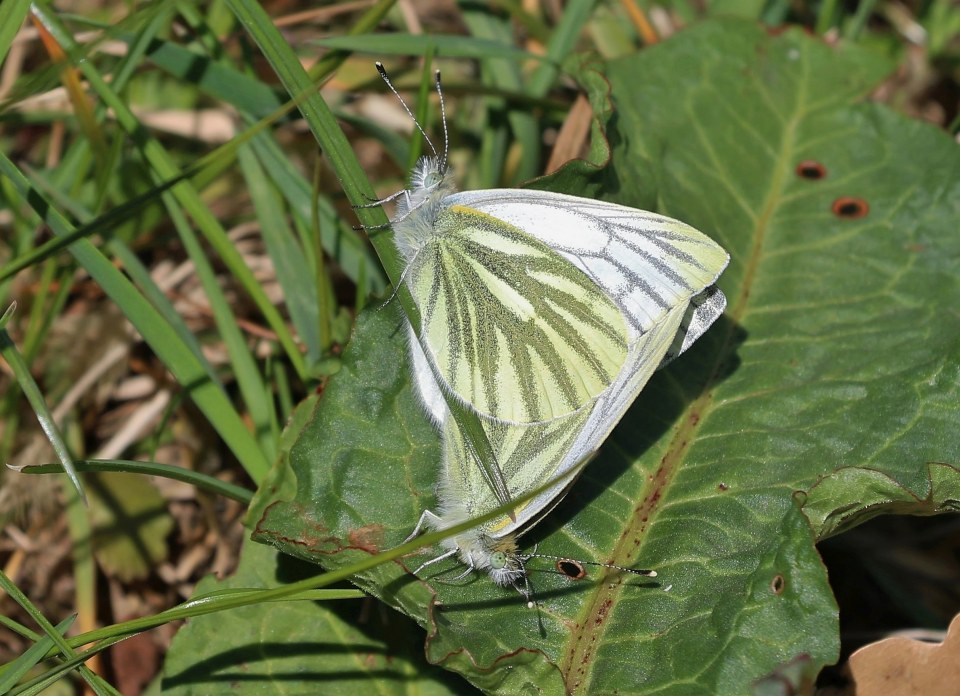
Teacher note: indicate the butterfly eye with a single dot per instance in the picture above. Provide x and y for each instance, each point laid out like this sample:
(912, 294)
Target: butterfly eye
(498, 560)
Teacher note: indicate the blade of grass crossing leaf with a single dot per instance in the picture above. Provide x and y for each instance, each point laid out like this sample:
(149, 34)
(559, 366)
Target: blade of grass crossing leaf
(8, 350)
(306, 589)
(238, 597)
(14, 671)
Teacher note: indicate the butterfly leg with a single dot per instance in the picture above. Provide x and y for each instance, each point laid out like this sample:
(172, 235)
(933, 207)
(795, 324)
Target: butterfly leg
(470, 568)
(439, 558)
(374, 202)
(427, 519)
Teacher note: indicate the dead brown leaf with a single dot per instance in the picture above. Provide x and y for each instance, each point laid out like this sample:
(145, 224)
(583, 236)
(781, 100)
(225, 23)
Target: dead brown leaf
(905, 666)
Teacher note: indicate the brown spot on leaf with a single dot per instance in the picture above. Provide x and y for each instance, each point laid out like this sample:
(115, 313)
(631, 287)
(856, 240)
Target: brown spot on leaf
(368, 538)
(778, 584)
(812, 170)
(850, 208)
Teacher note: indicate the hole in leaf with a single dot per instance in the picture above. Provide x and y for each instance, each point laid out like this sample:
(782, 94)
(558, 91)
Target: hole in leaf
(778, 584)
(572, 569)
(811, 169)
(850, 208)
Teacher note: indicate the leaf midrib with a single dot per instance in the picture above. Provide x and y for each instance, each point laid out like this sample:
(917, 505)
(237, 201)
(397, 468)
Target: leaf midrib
(585, 642)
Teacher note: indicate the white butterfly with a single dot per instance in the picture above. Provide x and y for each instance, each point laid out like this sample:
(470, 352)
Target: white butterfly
(543, 315)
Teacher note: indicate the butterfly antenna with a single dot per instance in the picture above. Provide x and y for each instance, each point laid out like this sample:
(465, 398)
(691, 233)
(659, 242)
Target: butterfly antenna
(443, 120)
(386, 79)
(635, 571)
(525, 590)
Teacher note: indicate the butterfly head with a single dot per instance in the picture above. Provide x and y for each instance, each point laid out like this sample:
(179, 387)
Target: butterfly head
(427, 175)
(506, 568)
(427, 186)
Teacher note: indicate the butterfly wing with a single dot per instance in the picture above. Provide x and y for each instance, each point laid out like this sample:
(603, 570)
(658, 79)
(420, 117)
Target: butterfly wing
(659, 271)
(528, 456)
(510, 327)
(587, 436)
(645, 262)
(531, 455)
(656, 271)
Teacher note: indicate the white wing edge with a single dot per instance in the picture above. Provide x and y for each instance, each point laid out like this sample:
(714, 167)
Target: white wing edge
(427, 389)
(705, 308)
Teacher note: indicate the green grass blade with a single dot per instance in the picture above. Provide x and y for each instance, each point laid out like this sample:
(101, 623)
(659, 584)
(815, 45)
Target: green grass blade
(8, 350)
(164, 170)
(61, 644)
(14, 671)
(379, 45)
(13, 13)
(206, 393)
(289, 258)
(210, 484)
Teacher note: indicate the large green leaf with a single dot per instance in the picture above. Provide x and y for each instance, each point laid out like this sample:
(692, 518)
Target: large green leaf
(294, 647)
(836, 365)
